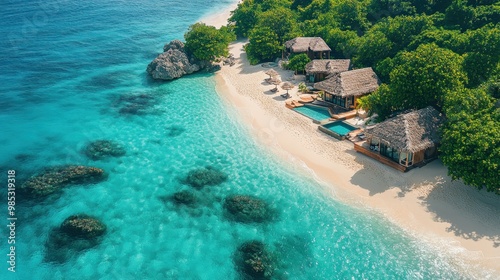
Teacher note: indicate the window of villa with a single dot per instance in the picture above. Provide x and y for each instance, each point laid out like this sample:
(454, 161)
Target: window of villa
(406, 159)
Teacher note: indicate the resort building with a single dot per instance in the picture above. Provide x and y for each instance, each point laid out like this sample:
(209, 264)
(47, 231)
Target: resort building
(314, 47)
(319, 69)
(344, 89)
(404, 141)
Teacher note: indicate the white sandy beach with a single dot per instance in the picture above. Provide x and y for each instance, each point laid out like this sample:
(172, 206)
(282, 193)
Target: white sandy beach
(425, 202)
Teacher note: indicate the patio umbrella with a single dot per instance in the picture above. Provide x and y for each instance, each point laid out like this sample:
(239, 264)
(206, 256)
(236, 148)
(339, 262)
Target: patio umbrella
(275, 81)
(271, 73)
(287, 86)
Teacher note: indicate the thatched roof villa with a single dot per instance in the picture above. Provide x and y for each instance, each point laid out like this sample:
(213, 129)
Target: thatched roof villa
(317, 70)
(314, 47)
(404, 141)
(344, 89)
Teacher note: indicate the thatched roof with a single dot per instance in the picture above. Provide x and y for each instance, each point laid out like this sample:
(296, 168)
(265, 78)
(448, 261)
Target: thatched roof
(303, 44)
(328, 66)
(350, 83)
(271, 72)
(275, 81)
(287, 86)
(412, 132)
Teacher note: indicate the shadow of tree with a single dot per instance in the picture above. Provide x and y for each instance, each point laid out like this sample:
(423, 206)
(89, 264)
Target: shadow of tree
(472, 214)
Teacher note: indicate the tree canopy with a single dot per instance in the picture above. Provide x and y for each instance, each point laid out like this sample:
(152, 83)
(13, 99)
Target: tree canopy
(471, 139)
(298, 62)
(207, 42)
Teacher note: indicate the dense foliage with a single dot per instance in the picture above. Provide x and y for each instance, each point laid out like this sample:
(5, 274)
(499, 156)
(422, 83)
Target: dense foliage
(441, 53)
(207, 42)
(297, 63)
(471, 142)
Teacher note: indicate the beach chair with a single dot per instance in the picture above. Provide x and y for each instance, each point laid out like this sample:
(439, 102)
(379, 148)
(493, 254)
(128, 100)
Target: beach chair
(285, 95)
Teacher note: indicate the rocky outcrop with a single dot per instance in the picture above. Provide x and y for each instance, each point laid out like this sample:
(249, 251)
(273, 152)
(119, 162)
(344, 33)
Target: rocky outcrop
(255, 261)
(55, 178)
(184, 198)
(207, 176)
(83, 226)
(248, 209)
(76, 234)
(175, 62)
(103, 148)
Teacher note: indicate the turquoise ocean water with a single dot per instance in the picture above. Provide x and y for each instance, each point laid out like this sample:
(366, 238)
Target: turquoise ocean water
(69, 67)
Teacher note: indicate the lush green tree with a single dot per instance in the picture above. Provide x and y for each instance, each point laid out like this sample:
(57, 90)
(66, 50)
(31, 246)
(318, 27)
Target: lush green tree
(351, 15)
(378, 102)
(300, 4)
(471, 139)
(315, 9)
(273, 4)
(282, 21)
(207, 42)
(401, 30)
(298, 62)
(466, 15)
(423, 77)
(448, 39)
(483, 53)
(373, 47)
(263, 45)
(342, 42)
(245, 17)
(379, 9)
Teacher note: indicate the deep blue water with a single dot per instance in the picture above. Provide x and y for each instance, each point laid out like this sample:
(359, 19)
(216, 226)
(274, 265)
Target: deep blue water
(68, 68)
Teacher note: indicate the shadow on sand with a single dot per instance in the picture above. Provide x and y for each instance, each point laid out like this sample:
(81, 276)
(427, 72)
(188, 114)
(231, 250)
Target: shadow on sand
(470, 213)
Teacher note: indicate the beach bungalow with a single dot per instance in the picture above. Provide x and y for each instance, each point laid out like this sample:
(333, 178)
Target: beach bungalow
(318, 69)
(344, 89)
(314, 47)
(404, 141)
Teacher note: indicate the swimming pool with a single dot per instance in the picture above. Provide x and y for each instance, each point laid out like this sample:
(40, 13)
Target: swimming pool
(314, 112)
(342, 128)
(338, 129)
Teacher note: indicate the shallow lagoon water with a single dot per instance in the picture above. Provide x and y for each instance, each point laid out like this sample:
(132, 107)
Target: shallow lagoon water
(67, 78)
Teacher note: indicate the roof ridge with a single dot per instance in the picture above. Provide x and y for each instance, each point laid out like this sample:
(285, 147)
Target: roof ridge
(407, 132)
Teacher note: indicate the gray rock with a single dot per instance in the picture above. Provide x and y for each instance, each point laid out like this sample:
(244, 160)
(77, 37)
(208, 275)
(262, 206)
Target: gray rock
(170, 65)
(175, 62)
(174, 45)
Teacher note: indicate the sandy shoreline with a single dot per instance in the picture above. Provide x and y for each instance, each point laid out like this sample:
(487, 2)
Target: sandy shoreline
(220, 18)
(424, 201)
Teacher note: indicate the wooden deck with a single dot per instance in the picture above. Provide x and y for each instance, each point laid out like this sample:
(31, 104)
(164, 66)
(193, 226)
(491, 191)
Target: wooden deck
(346, 115)
(358, 147)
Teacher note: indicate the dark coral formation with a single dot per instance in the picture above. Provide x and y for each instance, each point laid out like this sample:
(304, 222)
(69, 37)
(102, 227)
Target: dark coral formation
(255, 261)
(83, 226)
(76, 233)
(208, 176)
(135, 104)
(55, 178)
(103, 148)
(248, 209)
(174, 130)
(187, 198)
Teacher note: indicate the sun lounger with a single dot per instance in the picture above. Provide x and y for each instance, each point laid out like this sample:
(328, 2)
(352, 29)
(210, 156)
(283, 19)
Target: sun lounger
(285, 95)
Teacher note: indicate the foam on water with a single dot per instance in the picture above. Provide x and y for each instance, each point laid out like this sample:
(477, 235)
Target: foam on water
(85, 63)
